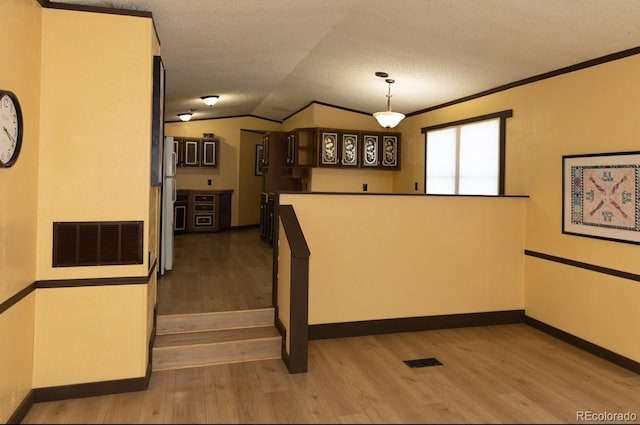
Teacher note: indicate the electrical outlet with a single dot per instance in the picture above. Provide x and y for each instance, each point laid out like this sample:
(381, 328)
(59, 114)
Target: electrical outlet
(415, 186)
(209, 182)
(364, 187)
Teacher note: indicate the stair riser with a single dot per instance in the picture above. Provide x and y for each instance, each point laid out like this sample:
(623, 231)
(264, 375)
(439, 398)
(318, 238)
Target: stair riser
(212, 321)
(218, 353)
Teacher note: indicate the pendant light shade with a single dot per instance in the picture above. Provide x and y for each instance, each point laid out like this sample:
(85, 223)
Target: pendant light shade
(388, 119)
(186, 116)
(210, 100)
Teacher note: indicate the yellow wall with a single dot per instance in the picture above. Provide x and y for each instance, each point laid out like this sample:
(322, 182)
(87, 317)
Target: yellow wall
(96, 128)
(94, 166)
(20, 21)
(90, 334)
(391, 256)
(590, 111)
(231, 169)
(249, 185)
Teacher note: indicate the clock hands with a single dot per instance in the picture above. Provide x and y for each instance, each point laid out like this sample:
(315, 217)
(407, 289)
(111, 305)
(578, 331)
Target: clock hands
(9, 135)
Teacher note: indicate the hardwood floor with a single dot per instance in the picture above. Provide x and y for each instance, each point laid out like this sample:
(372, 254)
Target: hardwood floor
(217, 272)
(493, 374)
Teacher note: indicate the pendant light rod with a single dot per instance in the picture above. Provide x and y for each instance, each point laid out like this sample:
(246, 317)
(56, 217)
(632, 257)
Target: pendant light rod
(388, 119)
(389, 81)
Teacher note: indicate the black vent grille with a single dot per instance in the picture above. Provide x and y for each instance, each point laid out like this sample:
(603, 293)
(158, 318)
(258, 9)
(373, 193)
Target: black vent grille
(97, 243)
(426, 362)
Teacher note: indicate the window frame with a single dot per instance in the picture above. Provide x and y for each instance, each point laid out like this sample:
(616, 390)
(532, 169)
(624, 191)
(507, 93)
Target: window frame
(502, 142)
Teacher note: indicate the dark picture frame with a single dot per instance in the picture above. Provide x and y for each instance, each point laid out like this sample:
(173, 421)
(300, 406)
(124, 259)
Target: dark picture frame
(601, 196)
(157, 122)
(259, 160)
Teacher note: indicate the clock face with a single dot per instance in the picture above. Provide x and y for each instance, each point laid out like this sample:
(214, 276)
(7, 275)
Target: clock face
(10, 128)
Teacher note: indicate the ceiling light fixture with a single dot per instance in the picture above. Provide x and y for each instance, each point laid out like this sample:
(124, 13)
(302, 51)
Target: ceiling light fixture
(186, 116)
(388, 119)
(210, 100)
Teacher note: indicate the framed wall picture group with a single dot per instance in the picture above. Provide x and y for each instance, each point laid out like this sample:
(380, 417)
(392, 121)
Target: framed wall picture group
(601, 196)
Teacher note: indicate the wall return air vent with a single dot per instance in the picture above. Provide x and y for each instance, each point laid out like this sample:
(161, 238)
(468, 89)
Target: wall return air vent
(97, 243)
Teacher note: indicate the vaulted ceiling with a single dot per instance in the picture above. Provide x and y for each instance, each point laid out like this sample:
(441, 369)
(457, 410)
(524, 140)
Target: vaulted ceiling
(270, 58)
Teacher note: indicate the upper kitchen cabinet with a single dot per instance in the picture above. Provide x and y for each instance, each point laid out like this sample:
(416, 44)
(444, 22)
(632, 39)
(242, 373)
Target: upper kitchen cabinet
(196, 152)
(277, 173)
(357, 149)
(300, 147)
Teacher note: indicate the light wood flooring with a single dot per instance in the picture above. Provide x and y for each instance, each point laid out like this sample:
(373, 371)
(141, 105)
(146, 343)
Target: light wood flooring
(496, 374)
(493, 374)
(217, 272)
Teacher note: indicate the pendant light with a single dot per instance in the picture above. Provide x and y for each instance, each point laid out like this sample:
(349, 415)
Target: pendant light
(186, 116)
(388, 119)
(210, 100)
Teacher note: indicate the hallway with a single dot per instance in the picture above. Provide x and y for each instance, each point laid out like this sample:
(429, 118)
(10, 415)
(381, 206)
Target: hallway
(217, 272)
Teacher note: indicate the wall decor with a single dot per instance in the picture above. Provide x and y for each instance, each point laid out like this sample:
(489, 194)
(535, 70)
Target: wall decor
(601, 196)
(259, 160)
(157, 122)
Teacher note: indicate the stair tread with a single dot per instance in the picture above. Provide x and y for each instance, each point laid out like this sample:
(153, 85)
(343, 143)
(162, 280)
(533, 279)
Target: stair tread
(161, 368)
(216, 313)
(215, 336)
(198, 322)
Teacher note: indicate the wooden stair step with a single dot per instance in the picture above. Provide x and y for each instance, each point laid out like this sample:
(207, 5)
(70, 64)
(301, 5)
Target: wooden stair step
(216, 336)
(213, 349)
(196, 322)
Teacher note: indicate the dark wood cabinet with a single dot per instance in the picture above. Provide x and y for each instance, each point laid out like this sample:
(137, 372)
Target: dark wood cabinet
(196, 152)
(208, 210)
(267, 216)
(300, 147)
(180, 211)
(357, 149)
(224, 210)
(276, 171)
(390, 151)
(209, 156)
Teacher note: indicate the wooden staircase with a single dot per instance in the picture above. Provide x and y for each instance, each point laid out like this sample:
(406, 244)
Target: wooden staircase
(204, 339)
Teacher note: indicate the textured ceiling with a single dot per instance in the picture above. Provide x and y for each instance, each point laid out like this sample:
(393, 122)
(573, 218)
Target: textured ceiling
(270, 58)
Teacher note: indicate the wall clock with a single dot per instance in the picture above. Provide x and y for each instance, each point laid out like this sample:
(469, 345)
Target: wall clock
(11, 131)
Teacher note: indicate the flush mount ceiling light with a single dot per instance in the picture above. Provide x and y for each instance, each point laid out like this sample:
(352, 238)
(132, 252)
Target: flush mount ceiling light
(388, 119)
(186, 116)
(210, 100)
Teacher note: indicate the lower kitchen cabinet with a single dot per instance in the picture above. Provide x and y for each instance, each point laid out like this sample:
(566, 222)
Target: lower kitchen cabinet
(180, 211)
(208, 210)
(267, 216)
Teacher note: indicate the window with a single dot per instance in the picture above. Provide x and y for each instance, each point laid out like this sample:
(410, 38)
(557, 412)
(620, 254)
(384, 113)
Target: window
(466, 157)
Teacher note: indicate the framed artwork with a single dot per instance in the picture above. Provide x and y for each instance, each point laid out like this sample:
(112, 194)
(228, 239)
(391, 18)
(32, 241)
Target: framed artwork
(329, 149)
(259, 160)
(349, 149)
(157, 122)
(601, 196)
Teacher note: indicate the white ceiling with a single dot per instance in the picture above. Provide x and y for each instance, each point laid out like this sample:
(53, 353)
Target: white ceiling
(270, 58)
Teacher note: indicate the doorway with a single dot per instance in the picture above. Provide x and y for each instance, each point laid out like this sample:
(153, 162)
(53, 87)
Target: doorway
(225, 271)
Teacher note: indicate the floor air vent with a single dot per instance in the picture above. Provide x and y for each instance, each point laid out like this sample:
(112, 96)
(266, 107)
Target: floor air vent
(430, 361)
